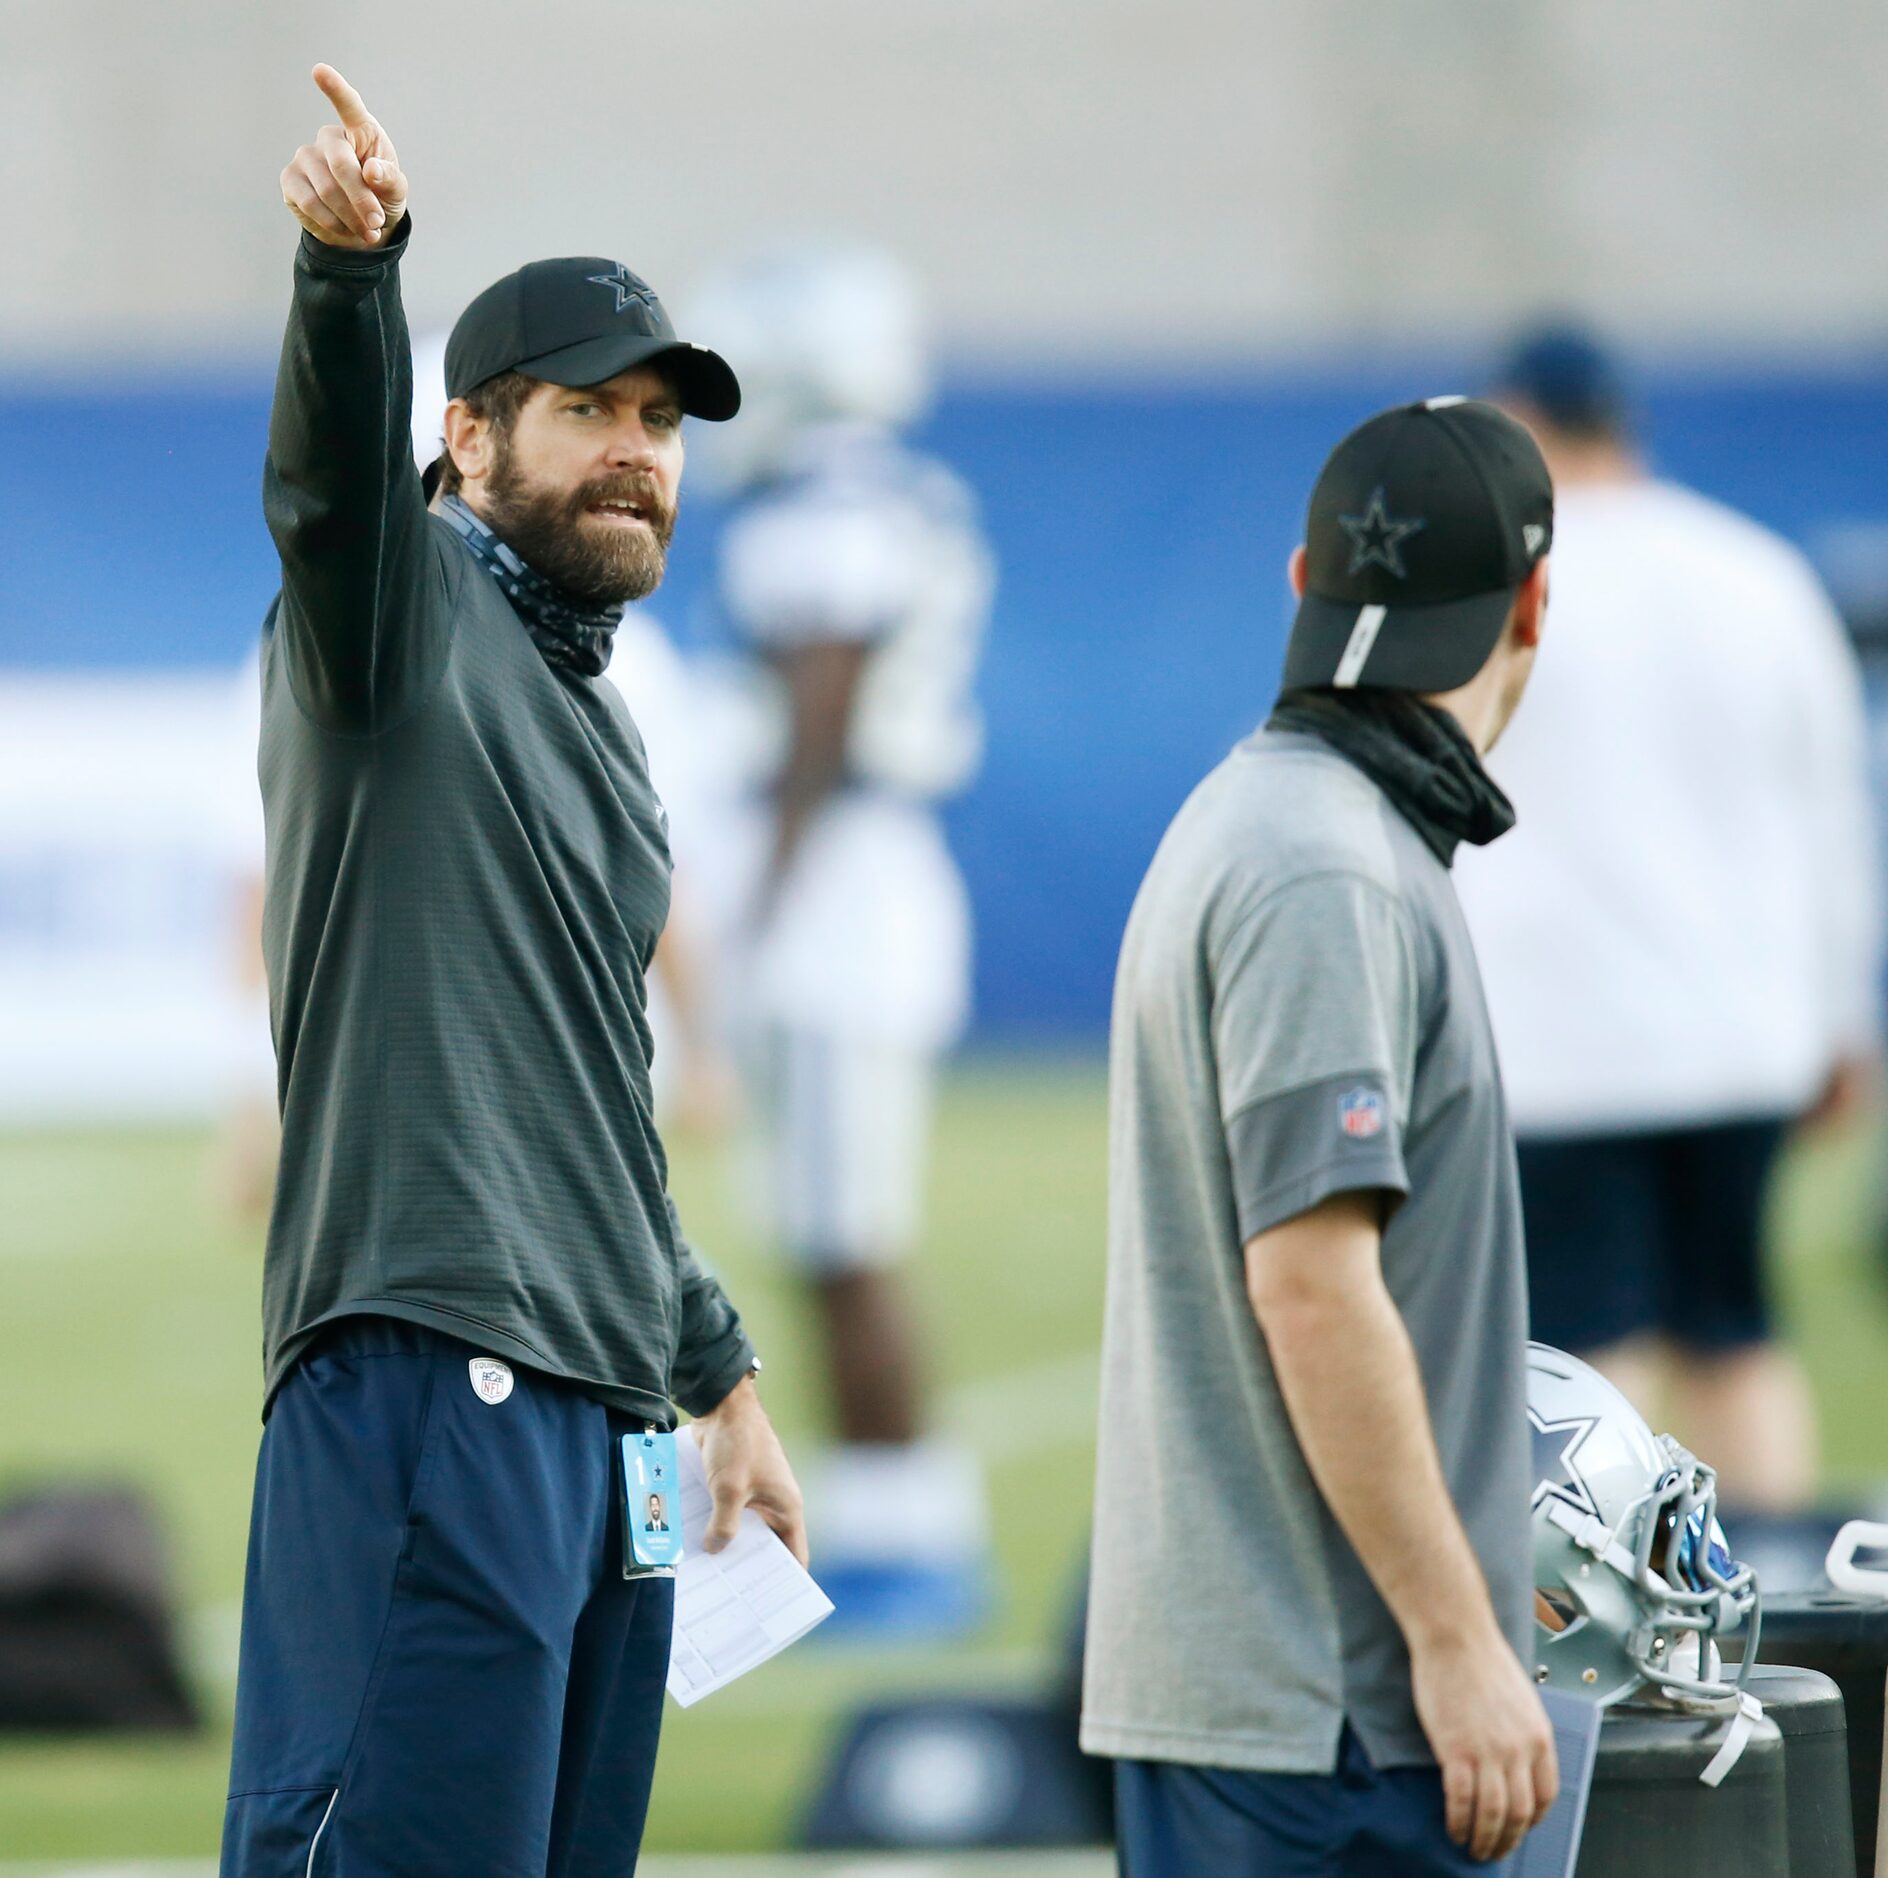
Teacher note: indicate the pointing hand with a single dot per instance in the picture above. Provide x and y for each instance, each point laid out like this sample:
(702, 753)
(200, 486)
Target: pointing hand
(346, 188)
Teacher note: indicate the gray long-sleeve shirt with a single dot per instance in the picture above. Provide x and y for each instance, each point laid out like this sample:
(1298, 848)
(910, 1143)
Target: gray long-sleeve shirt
(468, 870)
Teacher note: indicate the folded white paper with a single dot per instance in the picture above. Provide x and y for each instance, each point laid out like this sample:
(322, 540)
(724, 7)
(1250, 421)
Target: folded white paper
(736, 1608)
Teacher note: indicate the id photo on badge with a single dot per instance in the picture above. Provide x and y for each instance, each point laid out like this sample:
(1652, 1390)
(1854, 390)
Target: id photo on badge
(652, 1522)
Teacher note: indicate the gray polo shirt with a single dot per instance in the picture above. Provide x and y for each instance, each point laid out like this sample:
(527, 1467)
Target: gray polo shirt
(1297, 1013)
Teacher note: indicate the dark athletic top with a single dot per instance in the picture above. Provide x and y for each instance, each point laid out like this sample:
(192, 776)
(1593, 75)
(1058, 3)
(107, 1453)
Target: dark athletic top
(467, 873)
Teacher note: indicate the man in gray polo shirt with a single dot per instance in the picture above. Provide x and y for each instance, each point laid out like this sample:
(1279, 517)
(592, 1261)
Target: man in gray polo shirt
(1312, 1581)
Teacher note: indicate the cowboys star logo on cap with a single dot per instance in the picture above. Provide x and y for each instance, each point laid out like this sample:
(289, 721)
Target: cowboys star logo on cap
(1556, 1470)
(1375, 539)
(628, 289)
(1380, 608)
(547, 320)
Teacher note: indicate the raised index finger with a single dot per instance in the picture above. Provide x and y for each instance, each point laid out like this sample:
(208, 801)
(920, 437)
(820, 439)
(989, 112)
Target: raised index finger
(345, 99)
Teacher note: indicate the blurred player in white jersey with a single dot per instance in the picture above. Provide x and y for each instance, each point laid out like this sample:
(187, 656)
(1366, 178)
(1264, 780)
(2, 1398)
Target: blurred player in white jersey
(857, 583)
(243, 1169)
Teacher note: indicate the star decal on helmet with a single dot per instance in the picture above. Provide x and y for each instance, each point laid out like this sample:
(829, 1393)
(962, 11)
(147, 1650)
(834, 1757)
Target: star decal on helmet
(628, 289)
(1556, 1471)
(1375, 539)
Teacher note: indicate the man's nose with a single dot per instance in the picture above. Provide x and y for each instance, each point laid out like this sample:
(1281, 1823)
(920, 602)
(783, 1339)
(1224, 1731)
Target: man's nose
(632, 447)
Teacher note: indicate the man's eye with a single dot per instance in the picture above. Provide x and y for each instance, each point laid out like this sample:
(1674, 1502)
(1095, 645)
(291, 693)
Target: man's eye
(663, 420)
(584, 408)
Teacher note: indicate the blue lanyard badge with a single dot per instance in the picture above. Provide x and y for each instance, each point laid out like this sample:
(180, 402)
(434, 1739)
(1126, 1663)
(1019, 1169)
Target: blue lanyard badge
(652, 1506)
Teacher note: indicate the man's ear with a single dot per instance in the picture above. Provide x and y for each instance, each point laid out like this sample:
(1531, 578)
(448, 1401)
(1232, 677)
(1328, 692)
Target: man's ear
(1530, 605)
(468, 439)
(1295, 571)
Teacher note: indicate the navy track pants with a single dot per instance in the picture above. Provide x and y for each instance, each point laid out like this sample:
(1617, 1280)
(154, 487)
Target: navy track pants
(1359, 1821)
(443, 1669)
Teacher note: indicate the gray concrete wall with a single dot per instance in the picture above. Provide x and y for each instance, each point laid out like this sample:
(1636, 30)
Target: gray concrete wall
(1071, 177)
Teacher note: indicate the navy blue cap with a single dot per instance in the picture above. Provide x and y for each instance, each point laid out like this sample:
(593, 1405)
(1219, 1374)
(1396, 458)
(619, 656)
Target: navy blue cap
(1568, 375)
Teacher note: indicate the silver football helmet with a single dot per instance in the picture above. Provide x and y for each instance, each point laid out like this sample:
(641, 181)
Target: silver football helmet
(1633, 1579)
(822, 334)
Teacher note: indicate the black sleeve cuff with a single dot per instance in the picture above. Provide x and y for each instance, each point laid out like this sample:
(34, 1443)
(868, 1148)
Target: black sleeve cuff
(715, 1373)
(319, 258)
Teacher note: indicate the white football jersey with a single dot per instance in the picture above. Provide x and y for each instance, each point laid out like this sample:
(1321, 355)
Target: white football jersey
(864, 540)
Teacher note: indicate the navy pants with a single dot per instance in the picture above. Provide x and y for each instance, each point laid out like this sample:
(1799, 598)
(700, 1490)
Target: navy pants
(443, 1668)
(1359, 1821)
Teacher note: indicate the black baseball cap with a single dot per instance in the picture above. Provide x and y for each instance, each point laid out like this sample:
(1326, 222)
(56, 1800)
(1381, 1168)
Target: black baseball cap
(1566, 373)
(1424, 523)
(580, 321)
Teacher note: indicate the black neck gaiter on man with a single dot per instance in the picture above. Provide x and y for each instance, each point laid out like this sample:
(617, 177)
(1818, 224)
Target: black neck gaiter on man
(569, 632)
(1416, 753)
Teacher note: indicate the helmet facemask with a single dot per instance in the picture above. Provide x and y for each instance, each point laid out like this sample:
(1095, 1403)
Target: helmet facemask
(1634, 1582)
(1682, 1563)
(1630, 1603)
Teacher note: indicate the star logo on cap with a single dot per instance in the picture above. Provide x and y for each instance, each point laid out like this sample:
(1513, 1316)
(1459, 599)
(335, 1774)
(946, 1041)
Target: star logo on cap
(628, 289)
(1556, 1473)
(1376, 540)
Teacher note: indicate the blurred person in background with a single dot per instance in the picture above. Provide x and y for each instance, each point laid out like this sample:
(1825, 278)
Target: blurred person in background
(1851, 560)
(1681, 942)
(249, 1132)
(857, 583)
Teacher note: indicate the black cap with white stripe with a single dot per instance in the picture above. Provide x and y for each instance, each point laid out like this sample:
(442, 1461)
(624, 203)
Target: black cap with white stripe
(1424, 523)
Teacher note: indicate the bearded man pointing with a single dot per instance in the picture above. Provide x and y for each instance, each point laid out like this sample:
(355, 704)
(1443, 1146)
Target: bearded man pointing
(476, 1284)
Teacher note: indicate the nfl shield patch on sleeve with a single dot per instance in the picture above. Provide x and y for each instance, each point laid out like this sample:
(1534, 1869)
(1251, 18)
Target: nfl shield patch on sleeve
(1360, 1114)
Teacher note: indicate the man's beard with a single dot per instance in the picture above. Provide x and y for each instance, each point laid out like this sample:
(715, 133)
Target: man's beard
(596, 563)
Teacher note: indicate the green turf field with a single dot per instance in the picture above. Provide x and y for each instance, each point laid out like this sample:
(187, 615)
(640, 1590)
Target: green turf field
(130, 1351)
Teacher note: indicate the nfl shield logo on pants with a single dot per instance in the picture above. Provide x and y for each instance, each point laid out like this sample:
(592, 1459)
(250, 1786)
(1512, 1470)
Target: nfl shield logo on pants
(1360, 1114)
(491, 1379)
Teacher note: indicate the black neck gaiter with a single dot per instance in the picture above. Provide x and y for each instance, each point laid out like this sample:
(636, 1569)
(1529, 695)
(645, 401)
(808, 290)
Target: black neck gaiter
(1416, 753)
(568, 632)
